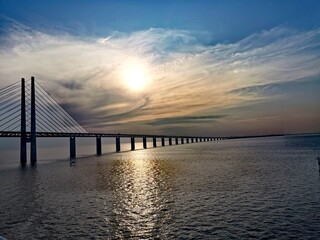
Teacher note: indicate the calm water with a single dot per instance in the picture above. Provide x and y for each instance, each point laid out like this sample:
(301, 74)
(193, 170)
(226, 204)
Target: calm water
(267, 188)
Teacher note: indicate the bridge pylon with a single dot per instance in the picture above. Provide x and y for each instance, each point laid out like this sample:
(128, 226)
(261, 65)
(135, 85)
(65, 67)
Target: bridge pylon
(24, 139)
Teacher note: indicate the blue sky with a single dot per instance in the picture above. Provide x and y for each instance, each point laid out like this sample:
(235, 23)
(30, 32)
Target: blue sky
(216, 67)
(229, 20)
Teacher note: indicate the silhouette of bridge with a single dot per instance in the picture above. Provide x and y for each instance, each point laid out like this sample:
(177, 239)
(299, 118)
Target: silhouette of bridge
(29, 112)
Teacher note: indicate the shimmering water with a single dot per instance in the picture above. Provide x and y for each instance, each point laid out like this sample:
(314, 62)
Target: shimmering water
(265, 188)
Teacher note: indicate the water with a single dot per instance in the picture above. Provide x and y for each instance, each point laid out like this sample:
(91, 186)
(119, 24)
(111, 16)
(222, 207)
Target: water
(267, 188)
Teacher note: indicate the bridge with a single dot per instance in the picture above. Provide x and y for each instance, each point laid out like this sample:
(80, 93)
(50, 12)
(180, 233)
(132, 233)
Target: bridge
(28, 112)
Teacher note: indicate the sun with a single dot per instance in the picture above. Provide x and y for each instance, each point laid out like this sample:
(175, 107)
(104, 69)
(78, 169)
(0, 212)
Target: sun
(135, 79)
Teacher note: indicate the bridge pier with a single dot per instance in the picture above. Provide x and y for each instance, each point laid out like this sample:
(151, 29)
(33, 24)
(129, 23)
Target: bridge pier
(144, 139)
(177, 141)
(98, 145)
(154, 139)
(192, 140)
(187, 140)
(72, 147)
(118, 144)
(162, 142)
(133, 147)
(170, 141)
(182, 140)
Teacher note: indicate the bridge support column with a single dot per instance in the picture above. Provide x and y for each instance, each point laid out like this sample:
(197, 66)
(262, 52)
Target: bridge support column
(72, 147)
(33, 138)
(23, 138)
(182, 140)
(144, 139)
(162, 142)
(118, 144)
(192, 140)
(154, 139)
(133, 146)
(170, 141)
(98, 143)
(177, 141)
(187, 140)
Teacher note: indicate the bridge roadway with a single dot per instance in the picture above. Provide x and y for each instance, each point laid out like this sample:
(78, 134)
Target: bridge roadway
(127, 135)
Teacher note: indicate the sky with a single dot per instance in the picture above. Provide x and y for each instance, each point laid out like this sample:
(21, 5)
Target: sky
(215, 68)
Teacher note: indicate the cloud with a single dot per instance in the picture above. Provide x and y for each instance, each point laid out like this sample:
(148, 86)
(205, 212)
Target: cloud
(185, 120)
(187, 77)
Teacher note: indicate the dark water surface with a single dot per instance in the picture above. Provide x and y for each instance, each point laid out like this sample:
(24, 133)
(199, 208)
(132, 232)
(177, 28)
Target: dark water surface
(265, 188)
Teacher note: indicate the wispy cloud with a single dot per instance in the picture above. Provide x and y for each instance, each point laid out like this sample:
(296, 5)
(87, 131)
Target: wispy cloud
(187, 77)
(185, 120)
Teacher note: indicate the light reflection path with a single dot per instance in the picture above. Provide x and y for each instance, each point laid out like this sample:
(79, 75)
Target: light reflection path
(142, 197)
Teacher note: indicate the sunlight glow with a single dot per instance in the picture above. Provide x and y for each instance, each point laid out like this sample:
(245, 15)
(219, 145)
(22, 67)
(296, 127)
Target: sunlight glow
(135, 77)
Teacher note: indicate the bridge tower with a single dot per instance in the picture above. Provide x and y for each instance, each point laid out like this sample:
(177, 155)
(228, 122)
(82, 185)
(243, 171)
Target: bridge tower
(24, 139)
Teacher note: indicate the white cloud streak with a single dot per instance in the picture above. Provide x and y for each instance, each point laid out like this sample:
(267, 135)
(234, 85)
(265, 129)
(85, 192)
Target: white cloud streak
(186, 76)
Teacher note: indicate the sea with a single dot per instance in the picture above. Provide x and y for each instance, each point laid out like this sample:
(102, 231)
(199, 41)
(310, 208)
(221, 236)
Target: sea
(255, 188)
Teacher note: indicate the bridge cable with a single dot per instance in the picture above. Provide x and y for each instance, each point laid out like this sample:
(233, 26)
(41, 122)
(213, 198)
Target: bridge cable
(8, 103)
(64, 121)
(78, 126)
(56, 120)
(10, 119)
(40, 111)
(41, 116)
(4, 96)
(17, 121)
(10, 87)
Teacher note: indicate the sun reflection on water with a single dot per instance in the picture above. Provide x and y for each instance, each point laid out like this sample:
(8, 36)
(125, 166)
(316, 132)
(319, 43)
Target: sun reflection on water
(142, 197)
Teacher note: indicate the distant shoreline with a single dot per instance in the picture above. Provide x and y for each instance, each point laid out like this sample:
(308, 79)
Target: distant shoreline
(272, 135)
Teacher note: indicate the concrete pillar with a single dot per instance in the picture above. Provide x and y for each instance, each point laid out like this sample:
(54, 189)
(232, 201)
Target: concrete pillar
(133, 146)
(192, 140)
(144, 139)
(98, 145)
(177, 141)
(162, 142)
(187, 140)
(154, 139)
(170, 141)
(118, 144)
(182, 140)
(72, 147)
(23, 138)
(33, 138)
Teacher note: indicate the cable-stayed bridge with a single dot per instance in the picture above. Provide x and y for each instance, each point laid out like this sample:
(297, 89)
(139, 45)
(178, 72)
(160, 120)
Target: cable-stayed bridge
(29, 112)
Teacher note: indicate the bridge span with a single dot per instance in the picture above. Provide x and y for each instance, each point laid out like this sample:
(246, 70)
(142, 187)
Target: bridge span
(28, 112)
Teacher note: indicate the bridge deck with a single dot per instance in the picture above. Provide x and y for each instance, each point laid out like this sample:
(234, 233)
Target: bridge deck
(63, 134)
